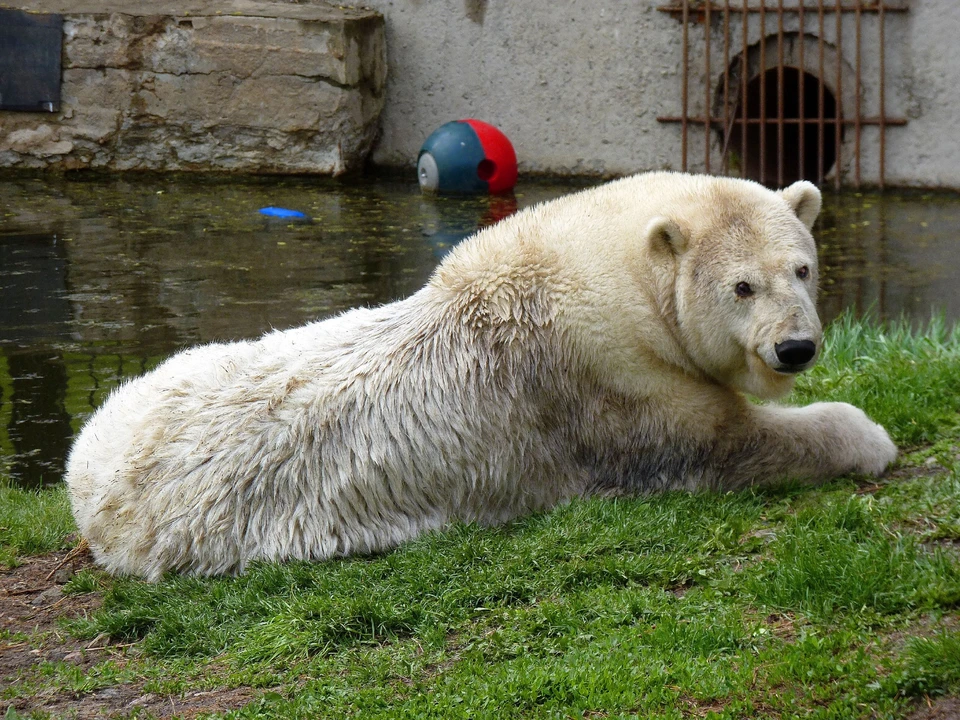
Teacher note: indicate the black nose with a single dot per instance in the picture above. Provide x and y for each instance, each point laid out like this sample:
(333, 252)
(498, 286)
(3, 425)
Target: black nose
(795, 352)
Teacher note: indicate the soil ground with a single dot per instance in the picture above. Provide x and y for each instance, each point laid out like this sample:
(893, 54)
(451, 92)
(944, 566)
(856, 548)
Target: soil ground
(32, 604)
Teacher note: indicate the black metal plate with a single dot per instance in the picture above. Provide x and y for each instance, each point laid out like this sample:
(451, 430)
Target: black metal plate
(30, 61)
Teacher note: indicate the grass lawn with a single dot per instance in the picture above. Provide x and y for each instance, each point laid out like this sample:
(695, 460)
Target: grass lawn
(835, 602)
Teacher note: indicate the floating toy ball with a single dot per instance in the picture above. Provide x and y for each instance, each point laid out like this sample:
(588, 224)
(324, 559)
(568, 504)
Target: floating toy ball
(283, 214)
(467, 156)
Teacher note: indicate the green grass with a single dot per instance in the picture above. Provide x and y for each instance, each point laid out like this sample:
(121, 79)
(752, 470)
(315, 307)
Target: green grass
(932, 665)
(839, 559)
(32, 522)
(906, 380)
(833, 602)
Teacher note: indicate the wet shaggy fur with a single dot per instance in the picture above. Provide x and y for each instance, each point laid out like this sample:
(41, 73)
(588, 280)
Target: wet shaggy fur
(599, 343)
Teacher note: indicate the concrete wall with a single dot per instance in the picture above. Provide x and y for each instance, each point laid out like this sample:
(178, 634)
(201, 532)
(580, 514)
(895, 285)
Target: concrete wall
(238, 85)
(578, 84)
(927, 151)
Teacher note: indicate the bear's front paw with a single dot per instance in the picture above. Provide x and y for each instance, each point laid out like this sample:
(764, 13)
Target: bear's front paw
(869, 446)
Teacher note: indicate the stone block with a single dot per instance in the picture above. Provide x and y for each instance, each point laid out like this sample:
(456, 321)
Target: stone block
(249, 86)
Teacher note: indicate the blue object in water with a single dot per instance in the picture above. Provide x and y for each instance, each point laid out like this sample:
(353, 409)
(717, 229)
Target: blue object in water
(283, 213)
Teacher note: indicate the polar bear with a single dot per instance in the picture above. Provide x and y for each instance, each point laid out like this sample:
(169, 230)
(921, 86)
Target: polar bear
(600, 343)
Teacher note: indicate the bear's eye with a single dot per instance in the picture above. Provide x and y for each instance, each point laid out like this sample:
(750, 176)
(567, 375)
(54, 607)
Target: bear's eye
(743, 289)
(803, 272)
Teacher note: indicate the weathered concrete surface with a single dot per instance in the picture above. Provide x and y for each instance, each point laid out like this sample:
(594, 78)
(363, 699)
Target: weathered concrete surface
(239, 85)
(577, 85)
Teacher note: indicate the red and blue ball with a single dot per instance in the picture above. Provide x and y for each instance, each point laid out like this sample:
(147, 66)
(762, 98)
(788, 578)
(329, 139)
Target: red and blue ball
(467, 156)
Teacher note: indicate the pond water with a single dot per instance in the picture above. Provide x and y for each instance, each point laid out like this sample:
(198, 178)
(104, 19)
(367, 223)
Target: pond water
(101, 278)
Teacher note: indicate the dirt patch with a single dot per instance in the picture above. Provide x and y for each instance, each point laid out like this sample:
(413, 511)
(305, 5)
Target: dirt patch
(944, 708)
(127, 700)
(905, 473)
(32, 604)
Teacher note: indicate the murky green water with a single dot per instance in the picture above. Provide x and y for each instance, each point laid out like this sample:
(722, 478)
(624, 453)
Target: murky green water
(100, 278)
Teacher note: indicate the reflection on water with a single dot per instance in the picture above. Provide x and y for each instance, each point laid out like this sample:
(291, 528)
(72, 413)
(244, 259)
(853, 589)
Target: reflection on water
(101, 278)
(892, 254)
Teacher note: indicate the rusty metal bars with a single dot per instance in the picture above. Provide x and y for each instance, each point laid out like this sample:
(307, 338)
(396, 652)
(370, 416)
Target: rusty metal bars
(736, 106)
(744, 74)
(780, 114)
(883, 84)
(709, 92)
(857, 126)
(821, 97)
(801, 101)
(726, 88)
(868, 6)
(686, 82)
(763, 94)
(838, 91)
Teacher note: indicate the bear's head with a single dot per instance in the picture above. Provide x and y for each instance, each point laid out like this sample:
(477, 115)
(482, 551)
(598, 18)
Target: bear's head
(746, 283)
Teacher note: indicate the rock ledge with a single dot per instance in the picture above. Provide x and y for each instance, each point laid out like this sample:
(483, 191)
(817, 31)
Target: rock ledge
(269, 87)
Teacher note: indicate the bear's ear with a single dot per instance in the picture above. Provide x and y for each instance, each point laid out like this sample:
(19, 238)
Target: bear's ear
(804, 198)
(664, 235)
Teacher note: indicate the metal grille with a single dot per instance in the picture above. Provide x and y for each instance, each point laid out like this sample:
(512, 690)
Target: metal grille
(781, 108)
